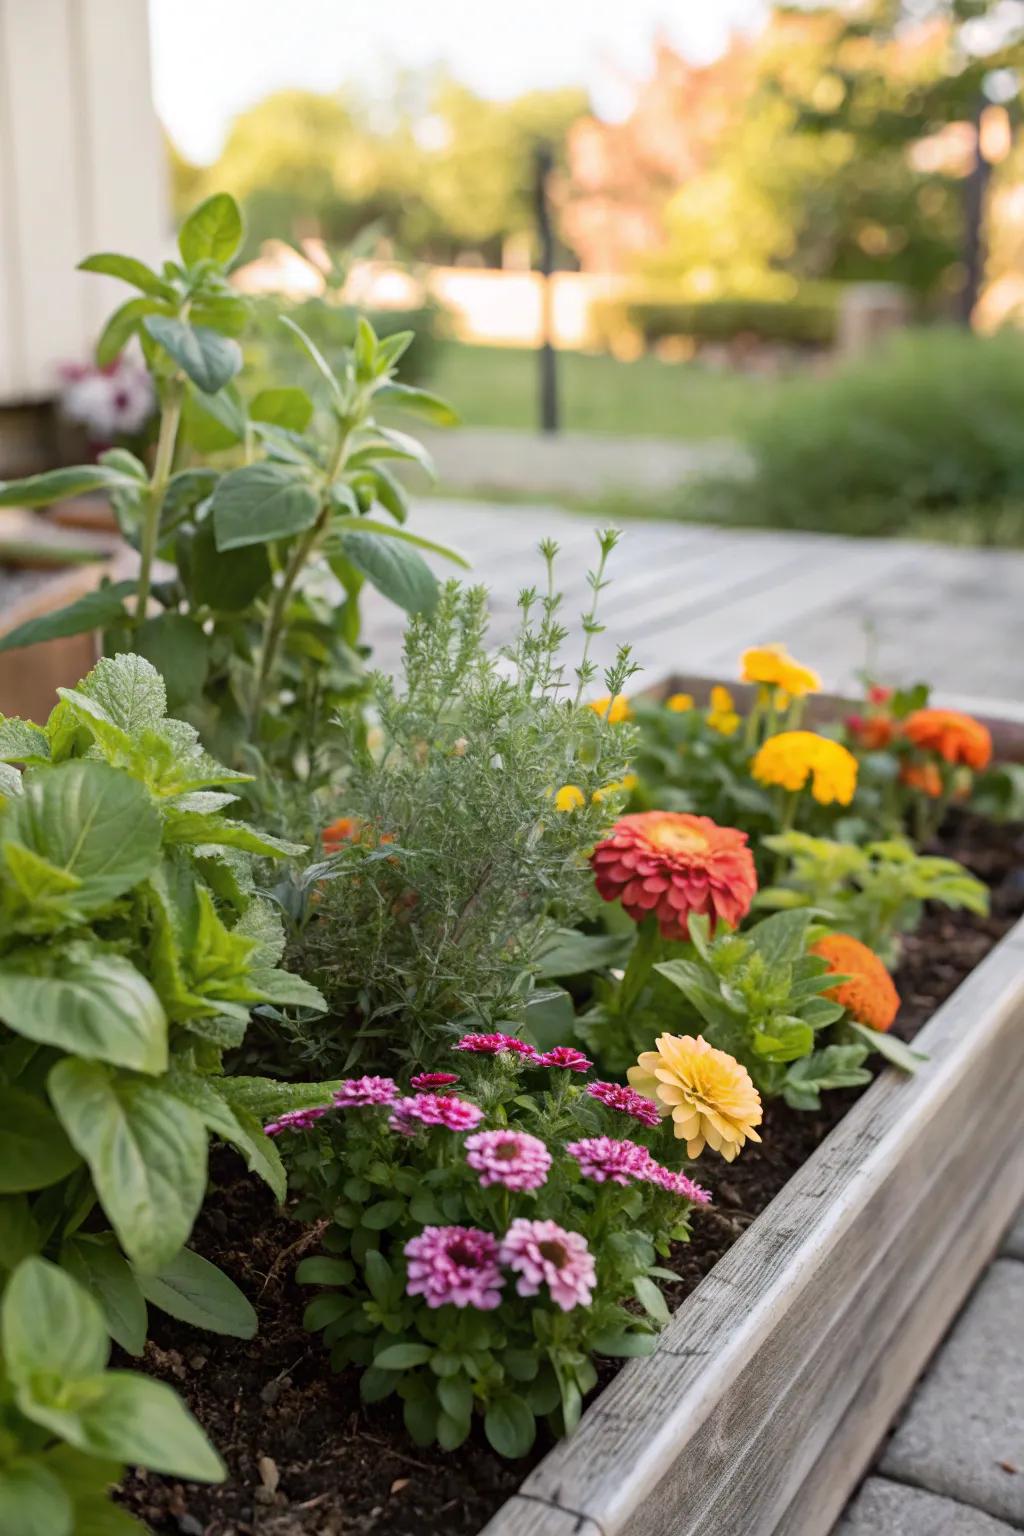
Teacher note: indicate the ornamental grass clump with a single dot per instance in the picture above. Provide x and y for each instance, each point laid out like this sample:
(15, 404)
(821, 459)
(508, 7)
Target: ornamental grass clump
(462, 857)
(483, 1245)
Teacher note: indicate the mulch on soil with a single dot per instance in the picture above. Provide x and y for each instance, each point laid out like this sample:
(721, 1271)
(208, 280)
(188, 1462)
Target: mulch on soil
(305, 1457)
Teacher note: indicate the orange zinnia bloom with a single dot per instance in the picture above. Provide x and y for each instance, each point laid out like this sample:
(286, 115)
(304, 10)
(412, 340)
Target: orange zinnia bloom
(923, 776)
(958, 738)
(672, 864)
(869, 995)
(345, 830)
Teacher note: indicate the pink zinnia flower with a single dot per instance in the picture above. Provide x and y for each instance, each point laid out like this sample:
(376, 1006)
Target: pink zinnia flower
(454, 1266)
(618, 1096)
(434, 1109)
(295, 1120)
(493, 1045)
(602, 1158)
(434, 1079)
(513, 1158)
(565, 1056)
(675, 1183)
(543, 1253)
(357, 1091)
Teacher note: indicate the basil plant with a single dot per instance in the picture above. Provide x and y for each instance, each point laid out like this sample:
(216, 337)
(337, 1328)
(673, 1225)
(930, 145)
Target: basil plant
(270, 509)
(133, 948)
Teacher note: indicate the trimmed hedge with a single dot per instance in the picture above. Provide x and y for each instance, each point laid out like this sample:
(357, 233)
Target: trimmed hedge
(808, 320)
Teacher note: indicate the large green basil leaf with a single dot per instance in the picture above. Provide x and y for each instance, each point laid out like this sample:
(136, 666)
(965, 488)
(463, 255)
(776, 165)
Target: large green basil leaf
(90, 822)
(96, 610)
(286, 406)
(32, 1501)
(180, 652)
(212, 232)
(50, 1325)
(34, 1151)
(129, 690)
(238, 1126)
(395, 569)
(146, 1151)
(197, 1292)
(94, 1260)
(210, 360)
(93, 1004)
(57, 484)
(223, 582)
(262, 502)
(130, 270)
(132, 1419)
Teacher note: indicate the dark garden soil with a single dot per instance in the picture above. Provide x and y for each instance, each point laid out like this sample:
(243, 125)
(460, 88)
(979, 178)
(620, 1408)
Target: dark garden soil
(305, 1457)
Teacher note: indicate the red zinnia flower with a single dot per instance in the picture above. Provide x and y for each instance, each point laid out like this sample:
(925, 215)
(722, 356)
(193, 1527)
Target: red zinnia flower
(673, 864)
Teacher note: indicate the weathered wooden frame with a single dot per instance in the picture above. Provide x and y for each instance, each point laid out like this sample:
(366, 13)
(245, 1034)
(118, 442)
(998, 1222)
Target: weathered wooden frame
(774, 1382)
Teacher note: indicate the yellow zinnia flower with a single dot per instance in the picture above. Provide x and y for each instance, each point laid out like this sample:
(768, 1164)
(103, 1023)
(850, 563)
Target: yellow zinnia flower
(794, 757)
(627, 783)
(679, 703)
(569, 798)
(773, 666)
(722, 716)
(615, 710)
(709, 1095)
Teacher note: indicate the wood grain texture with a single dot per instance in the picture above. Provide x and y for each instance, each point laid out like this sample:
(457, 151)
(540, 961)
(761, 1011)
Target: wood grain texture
(823, 1313)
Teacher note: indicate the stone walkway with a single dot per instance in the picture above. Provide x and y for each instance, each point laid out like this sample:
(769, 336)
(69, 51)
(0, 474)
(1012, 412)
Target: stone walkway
(955, 1463)
(688, 598)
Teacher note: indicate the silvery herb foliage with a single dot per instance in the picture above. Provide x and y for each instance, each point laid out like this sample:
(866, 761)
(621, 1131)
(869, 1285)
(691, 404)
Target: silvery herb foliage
(132, 950)
(297, 488)
(68, 1425)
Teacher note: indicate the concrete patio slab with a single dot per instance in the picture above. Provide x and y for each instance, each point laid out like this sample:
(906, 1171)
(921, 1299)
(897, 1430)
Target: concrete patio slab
(884, 1508)
(1013, 1245)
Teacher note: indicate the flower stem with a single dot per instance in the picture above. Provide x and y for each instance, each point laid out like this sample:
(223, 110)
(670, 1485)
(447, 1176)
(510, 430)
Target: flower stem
(639, 965)
(163, 463)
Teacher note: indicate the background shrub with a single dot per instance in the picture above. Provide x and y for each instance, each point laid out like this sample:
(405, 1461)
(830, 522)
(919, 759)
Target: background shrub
(807, 320)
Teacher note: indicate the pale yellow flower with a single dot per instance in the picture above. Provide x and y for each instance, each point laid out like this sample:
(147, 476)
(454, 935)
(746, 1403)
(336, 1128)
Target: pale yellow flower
(569, 798)
(793, 758)
(709, 1095)
(626, 784)
(773, 666)
(614, 710)
(679, 703)
(722, 716)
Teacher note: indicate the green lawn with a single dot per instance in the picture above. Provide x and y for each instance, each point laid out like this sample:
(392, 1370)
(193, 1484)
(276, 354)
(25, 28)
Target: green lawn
(497, 387)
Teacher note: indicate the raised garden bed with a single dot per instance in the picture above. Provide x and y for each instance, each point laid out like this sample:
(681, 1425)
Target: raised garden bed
(812, 1294)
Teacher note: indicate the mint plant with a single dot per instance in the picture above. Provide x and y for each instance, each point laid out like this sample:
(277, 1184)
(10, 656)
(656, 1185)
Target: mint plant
(133, 948)
(307, 483)
(68, 1425)
(487, 1235)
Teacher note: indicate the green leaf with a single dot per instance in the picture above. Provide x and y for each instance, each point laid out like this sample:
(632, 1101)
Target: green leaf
(32, 1501)
(19, 1232)
(34, 1152)
(210, 360)
(21, 740)
(385, 443)
(891, 1047)
(780, 938)
(317, 357)
(137, 1420)
(265, 1099)
(94, 610)
(93, 823)
(227, 314)
(129, 270)
(377, 1217)
(59, 484)
(325, 1310)
(195, 827)
(286, 406)
(197, 1292)
(103, 1271)
(180, 652)
(510, 1427)
(285, 989)
(571, 954)
(129, 690)
(93, 1004)
(402, 1357)
(227, 583)
(146, 1151)
(232, 1124)
(212, 232)
(650, 1298)
(406, 397)
(343, 526)
(396, 570)
(324, 1271)
(122, 326)
(214, 422)
(262, 502)
(550, 1018)
(624, 1345)
(50, 1325)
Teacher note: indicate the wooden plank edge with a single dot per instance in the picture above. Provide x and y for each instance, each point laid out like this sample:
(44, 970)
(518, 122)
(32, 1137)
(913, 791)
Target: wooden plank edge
(551, 1483)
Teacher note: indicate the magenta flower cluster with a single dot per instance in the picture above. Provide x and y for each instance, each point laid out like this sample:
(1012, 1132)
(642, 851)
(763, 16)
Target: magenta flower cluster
(494, 1045)
(604, 1160)
(431, 1080)
(356, 1092)
(460, 1266)
(446, 1110)
(565, 1056)
(295, 1120)
(626, 1100)
(512, 1158)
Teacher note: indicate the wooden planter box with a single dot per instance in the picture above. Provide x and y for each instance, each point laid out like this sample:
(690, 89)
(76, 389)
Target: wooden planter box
(776, 1379)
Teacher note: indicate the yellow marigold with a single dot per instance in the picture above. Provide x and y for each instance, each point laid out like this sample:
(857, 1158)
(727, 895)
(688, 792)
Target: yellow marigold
(722, 716)
(793, 757)
(615, 710)
(569, 798)
(868, 993)
(627, 783)
(773, 666)
(709, 1095)
(679, 703)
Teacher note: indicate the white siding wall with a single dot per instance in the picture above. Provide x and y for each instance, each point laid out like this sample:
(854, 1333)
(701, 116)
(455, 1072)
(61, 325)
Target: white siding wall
(81, 169)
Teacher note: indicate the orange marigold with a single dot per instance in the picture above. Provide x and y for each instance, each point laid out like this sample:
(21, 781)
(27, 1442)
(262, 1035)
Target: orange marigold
(672, 864)
(613, 710)
(344, 830)
(869, 994)
(958, 738)
(923, 776)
